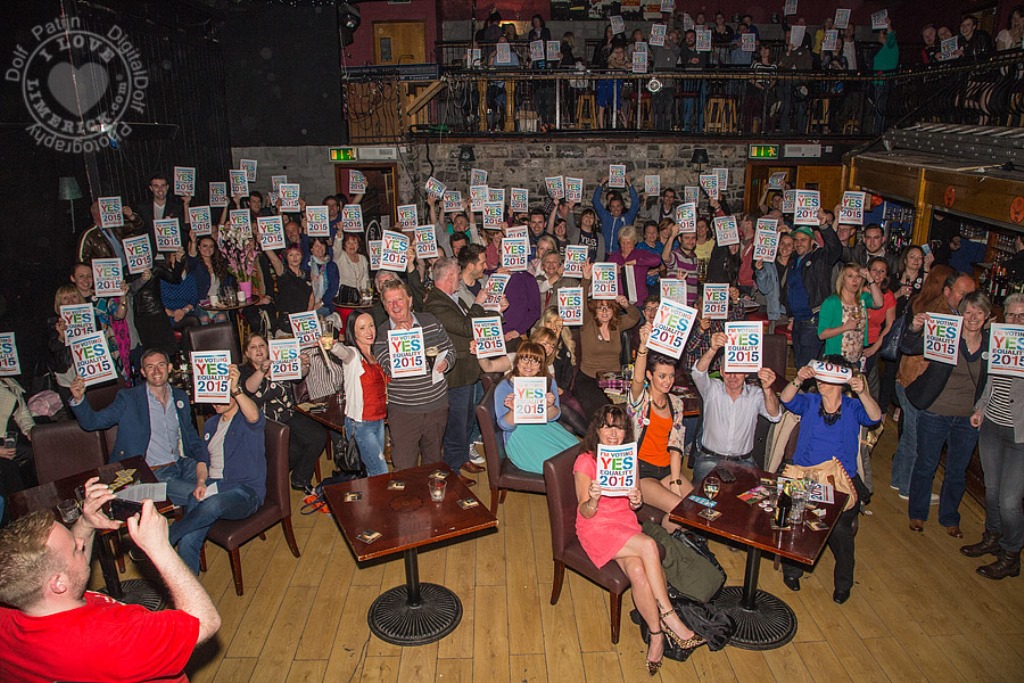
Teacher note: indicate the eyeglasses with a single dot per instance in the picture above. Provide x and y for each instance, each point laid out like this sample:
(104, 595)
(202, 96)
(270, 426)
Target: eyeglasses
(1014, 316)
(529, 361)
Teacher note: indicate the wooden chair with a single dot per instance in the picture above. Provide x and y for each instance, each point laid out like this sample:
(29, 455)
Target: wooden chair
(586, 110)
(216, 337)
(502, 475)
(102, 396)
(277, 507)
(565, 546)
(61, 449)
(720, 115)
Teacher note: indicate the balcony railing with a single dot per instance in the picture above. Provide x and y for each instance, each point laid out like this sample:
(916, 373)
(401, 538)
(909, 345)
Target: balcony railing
(724, 101)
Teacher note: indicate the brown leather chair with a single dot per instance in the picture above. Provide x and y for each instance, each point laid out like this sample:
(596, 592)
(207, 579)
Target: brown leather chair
(776, 354)
(565, 546)
(102, 396)
(277, 506)
(61, 449)
(216, 337)
(502, 475)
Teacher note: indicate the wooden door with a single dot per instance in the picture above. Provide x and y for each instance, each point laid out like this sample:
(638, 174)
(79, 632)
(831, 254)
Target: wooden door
(381, 188)
(757, 178)
(399, 42)
(828, 180)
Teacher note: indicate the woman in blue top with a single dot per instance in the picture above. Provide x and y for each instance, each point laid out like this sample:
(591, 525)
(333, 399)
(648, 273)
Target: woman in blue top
(234, 459)
(830, 425)
(209, 268)
(324, 276)
(529, 445)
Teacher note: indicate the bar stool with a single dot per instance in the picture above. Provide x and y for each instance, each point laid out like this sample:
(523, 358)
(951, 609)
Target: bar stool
(818, 114)
(586, 110)
(720, 115)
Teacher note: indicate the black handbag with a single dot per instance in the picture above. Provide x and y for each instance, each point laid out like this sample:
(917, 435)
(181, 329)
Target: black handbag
(890, 350)
(346, 453)
(348, 296)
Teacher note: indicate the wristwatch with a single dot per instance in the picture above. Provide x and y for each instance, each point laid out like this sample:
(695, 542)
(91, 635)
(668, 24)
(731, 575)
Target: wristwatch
(237, 391)
(678, 482)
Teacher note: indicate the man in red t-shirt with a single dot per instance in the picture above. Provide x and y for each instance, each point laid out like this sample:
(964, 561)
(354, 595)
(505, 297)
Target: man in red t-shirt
(59, 631)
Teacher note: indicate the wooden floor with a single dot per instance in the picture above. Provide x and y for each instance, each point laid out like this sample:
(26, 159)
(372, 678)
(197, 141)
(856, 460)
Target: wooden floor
(918, 611)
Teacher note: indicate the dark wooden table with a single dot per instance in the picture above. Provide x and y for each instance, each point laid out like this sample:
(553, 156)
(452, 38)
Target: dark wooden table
(332, 416)
(49, 495)
(416, 613)
(763, 621)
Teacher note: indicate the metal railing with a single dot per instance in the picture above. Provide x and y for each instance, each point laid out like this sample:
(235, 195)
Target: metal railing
(725, 101)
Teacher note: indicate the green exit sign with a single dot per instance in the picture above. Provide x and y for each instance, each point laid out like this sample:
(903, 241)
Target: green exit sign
(343, 153)
(763, 152)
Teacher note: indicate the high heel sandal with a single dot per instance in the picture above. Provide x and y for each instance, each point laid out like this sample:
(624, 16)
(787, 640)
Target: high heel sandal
(654, 667)
(688, 644)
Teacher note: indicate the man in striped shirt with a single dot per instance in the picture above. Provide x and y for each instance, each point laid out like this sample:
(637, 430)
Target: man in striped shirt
(417, 406)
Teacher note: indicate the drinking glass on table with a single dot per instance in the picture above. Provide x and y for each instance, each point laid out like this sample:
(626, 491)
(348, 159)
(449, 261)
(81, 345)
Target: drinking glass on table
(437, 488)
(712, 484)
(69, 511)
(326, 334)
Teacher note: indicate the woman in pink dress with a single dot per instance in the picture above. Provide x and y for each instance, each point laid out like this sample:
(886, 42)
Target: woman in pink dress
(608, 530)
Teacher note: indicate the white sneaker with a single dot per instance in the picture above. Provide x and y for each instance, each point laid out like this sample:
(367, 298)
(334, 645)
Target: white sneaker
(935, 499)
(476, 455)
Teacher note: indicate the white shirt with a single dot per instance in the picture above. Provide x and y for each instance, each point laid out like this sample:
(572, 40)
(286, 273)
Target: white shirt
(158, 210)
(729, 425)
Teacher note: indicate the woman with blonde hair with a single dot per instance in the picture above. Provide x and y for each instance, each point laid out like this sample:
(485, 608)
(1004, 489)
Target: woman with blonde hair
(842, 321)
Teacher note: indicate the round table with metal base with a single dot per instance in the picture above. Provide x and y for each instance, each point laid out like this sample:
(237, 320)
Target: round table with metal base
(141, 592)
(414, 614)
(763, 621)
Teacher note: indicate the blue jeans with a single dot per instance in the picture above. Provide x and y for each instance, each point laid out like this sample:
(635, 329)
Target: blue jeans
(460, 419)
(369, 438)
(806, 345)
(180, 478)
(1002, 460)
(189, 533)
(474, 426)
(906, 451)
(960, 439)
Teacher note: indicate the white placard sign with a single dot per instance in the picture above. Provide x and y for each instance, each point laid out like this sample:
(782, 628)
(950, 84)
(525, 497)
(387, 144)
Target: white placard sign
(210, 380)
(107, 277)
(777, 181)
(574, 190)
(168, 234)
(407, 352)
(241, 220)
(394, 254)
(617, 469)
(271, 232)
(605, 282)
(519, 200)
(942, 337)
(766, 240)
(305, 328)
(249, 166)
(9, 363)
(723, 178)
(640, 61)
(744, 350)
(515, 253)
(842, 19)
(290, 193)
(529, 400)
(496, 195)
(426, 241)
(671, 327)
(570, 305)
(111, 212)
(79, 321)
(829, 42)
(851, 210)
(652, 185)
(657, 37)
(434, 187)
(318, 221)
(709, 182)
(477, 176)
(618, 24)
(477, 197)
(617, 175)
(1006, 350)
(715, 301)
(805, 207)
(555, 186)
(673, 290)
(489, 337)
(218, 195)
(92, 360)
(575, 256)
(703, 40)
(493, 215)
(138, 253)
(503, 54)
(356, 182)
(686, 218)
(536, 50)
(352, 218)
(830, 373)
(185, 181)
(239, 183)
(726, 231)
(408, 217)
(789, 8)
(285, 363)
(495, 286)
(880, 20)
(275, 182)
(452, 201)
(554, 50)
(788, 201)
(796, 35)
(748, 42)
(375, 248)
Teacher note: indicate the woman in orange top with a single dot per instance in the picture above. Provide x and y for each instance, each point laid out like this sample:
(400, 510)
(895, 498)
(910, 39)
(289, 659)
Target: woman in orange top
(657, 418)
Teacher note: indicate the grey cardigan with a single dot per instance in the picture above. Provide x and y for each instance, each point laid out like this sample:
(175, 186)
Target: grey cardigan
(1016, 405)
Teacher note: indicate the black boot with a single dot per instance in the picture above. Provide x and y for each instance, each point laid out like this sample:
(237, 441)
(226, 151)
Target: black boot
(1008, 564)
(989, 545)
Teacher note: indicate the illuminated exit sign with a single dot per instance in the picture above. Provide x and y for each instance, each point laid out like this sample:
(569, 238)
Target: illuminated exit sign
(343, 154)
(763, 152)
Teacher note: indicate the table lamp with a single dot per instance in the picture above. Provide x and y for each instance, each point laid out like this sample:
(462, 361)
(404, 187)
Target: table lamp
(68, 190)
(700, 158)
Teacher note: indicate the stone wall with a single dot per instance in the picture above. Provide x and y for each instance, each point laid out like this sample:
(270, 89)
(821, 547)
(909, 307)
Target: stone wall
(310, 166)
(515, 163)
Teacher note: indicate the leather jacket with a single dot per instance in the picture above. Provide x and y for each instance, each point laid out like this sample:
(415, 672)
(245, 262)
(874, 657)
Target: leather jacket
(94, 245)
(146, 298)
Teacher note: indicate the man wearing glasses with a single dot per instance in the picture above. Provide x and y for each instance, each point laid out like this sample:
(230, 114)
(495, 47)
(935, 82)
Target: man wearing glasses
(666, 208)
(154, 419)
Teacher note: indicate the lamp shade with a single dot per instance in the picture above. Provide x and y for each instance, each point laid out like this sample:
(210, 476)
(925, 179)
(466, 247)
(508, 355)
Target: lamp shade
(700, 156)
(67, 188)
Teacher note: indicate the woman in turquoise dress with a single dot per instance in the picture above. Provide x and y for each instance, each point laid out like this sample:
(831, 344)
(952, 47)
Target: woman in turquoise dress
(529, 445)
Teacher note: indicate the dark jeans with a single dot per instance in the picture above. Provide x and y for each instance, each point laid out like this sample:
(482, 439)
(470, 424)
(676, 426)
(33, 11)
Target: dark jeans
(305, 444)
(590, 396)
(180, 478)
(1002, 460)
(842, 547)
(960, 438)
(460, 419)
(189, 533)
(806, 345)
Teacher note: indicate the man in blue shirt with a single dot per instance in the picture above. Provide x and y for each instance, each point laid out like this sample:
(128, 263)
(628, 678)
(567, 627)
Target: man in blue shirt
(615, 216)
(809, 282)
(153, 419)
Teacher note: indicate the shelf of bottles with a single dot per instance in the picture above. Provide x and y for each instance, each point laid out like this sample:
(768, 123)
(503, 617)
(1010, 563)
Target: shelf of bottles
(898, 223)
(995, 280)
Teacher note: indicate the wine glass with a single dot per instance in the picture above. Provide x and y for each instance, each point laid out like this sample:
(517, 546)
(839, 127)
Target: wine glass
(712, 484)
(326, 333)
